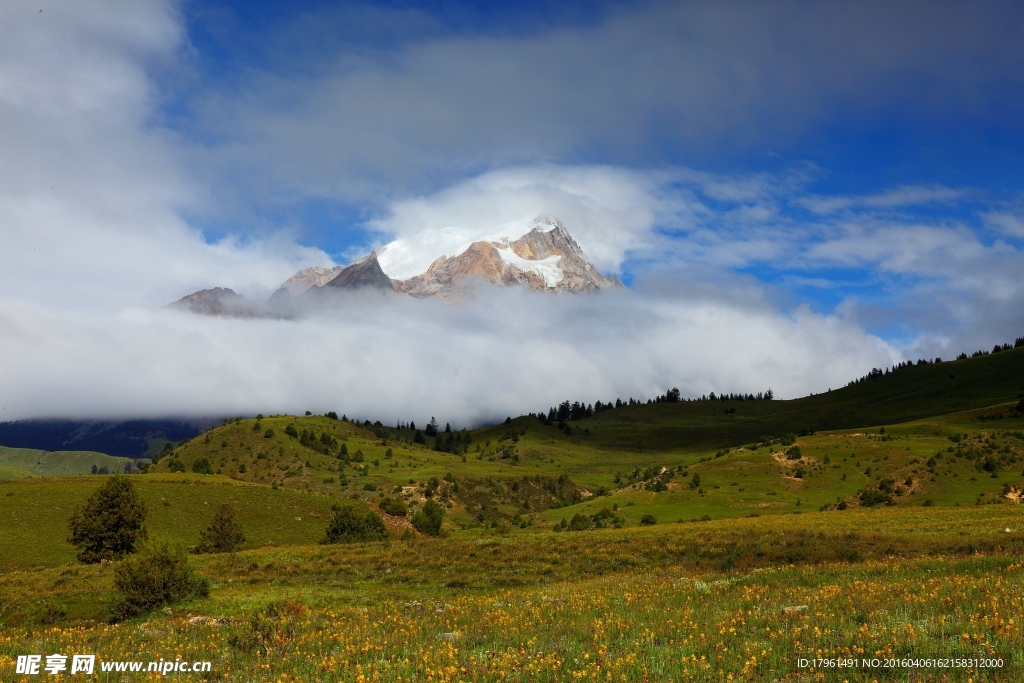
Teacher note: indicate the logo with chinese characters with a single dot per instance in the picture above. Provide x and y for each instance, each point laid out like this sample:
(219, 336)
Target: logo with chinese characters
(55, 664)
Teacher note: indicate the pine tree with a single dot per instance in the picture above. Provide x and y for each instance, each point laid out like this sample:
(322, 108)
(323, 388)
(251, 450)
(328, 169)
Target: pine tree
(428, 519)
(110, 523)
(224, 535)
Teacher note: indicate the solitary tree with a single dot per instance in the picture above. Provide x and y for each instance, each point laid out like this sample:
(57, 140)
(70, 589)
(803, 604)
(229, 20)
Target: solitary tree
(428, 519)
(224, 535)
(109, 524)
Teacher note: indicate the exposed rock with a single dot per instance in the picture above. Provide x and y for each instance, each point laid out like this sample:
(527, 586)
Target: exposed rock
(363, 273)
(281, 300)
(310, 277)
(546, 258)
(218, 301)
(325, 284)
(481, 261)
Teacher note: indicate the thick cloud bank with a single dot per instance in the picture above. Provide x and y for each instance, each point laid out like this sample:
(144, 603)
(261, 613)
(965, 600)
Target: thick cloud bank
(506, 352)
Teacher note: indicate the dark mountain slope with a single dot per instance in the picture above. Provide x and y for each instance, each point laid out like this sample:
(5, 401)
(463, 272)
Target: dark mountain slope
(129, 439)
(910, 393)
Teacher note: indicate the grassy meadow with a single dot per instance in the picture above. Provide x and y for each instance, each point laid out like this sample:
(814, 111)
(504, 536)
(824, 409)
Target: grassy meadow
(709, 540)
(738, 599)
(18, 463)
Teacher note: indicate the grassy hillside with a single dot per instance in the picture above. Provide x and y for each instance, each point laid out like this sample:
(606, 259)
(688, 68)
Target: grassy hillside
(914, 464)
(12, 473)
(179, 506)
(545, 475)
(908, 394)
(30, 462)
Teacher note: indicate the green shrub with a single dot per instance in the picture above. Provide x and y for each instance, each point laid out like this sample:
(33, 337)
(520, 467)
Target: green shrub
(202, 466)
(579, 522)
(648, 520)
(794, 453)
(224, 535)
(350, 525)
(428, 519)
(394, 506)
(175, 465)
(158, 575)
(267, 628)
(109, 524)
(269, 434)
(872, 498)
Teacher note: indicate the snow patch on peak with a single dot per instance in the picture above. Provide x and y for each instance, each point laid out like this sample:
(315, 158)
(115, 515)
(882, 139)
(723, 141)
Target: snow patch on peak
(547, 223)
(409, 256)
(547, 268)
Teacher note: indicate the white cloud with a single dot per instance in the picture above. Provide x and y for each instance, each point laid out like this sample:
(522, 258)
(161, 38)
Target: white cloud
(641, 82)
(609, 211)
(1010, 224)
(506, 352)
(890, 199)
(91, 194)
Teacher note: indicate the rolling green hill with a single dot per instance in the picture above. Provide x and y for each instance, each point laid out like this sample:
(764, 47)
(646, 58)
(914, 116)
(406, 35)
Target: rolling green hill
(673, 461)
(22, 462)
(641, 459)
(908, 394)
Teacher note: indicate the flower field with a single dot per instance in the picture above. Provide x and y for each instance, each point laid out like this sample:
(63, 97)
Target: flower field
(615, 605)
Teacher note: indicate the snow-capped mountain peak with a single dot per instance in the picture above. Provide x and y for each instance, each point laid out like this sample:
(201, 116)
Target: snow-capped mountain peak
(538, 254)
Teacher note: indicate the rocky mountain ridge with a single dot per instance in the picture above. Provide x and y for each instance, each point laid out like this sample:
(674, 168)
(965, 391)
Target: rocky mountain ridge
(546, 259)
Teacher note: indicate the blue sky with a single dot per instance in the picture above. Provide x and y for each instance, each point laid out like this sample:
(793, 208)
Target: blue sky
(846, 174)
(855, 101)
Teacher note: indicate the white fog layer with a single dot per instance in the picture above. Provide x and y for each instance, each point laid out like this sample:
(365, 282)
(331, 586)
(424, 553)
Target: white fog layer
(506, 352)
